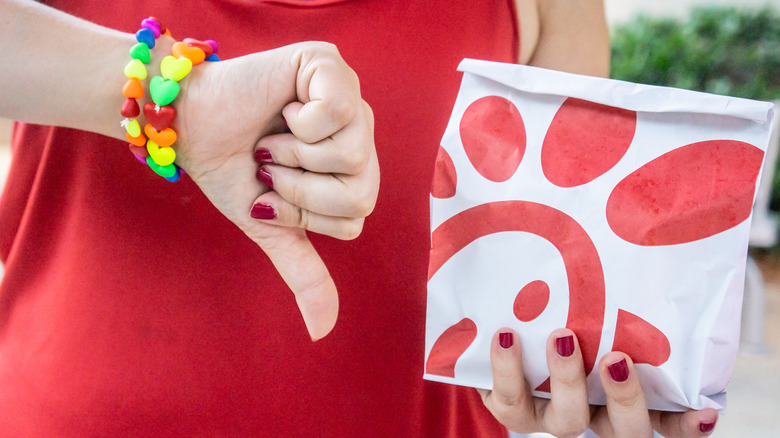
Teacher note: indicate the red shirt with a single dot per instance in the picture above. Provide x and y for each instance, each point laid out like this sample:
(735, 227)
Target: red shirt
(131, 307)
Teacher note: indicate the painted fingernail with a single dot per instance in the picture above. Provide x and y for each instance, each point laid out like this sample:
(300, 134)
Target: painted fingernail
(565, 345)
(505, 339)
(707, 428)
(263, 156)
(261, 210)
(619, 371)
(265, 177)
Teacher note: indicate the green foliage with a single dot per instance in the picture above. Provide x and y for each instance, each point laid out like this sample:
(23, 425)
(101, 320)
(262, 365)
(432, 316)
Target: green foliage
(728, 51)
(718, 50)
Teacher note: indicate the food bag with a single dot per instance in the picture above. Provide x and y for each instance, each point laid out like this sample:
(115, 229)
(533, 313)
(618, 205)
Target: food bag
(618, 210)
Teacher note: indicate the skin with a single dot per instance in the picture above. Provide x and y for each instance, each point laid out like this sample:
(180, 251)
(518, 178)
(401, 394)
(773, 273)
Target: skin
(332, 138)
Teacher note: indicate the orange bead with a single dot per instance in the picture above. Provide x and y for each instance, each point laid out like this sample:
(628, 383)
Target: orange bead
(163, 138)
(133, 89)
(138, 141)
(194, 54)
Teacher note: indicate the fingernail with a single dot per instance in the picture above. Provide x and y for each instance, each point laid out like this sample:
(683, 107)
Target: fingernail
(707, 428)
(619, 371)
(265, 177)
(505, 339)
(565, 345)
(263, 156)
(262, 210)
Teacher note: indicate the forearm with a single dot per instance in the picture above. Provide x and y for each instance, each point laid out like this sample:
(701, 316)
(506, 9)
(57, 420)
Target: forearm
(63, 71)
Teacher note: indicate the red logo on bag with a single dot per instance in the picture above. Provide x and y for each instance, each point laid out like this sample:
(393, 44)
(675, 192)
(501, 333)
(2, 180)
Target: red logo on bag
(652, 206)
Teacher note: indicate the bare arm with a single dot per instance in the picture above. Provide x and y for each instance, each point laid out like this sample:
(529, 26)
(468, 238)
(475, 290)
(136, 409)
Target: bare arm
(61, 70)
(565, 35)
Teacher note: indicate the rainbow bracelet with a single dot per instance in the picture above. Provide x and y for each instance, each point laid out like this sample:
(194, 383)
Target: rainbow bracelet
(157, 152)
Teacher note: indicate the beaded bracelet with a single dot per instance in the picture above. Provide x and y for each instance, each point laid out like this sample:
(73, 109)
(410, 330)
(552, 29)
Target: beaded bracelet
(157, 151)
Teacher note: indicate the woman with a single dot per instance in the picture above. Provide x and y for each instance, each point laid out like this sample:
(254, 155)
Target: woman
(136, 307)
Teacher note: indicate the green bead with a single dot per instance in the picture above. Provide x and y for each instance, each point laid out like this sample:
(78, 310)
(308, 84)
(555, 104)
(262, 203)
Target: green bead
(163, 91)
(164, 171)
(141, 52)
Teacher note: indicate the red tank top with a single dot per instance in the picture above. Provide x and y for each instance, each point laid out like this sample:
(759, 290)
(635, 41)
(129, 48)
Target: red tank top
(131, 307)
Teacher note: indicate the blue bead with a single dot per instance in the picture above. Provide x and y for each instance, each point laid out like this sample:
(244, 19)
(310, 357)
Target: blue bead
(145, 36)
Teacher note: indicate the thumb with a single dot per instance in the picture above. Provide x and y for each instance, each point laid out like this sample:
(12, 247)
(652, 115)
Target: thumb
(296, 260)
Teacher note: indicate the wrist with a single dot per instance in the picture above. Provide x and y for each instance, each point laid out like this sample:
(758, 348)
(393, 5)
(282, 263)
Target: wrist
(151, 132)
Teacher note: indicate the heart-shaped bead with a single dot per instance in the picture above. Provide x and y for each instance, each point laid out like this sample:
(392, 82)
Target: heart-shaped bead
(163, 91)
(145, 35)
(213, 58)
(130, 108)
(194, 54)
(160, 117)
(139, 141)
(164, 171)
(163, 28)
(139, 151)
(175, 69)
(133, 89)
(132, 127)
(213, 45)
(192, 42)
(163, 138)
(175, 177)
(163, 156)
(154, 26)
(135, 69)
(140, 51)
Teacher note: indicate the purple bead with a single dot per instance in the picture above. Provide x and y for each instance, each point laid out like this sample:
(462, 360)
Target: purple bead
(152, 25)
(213, 45)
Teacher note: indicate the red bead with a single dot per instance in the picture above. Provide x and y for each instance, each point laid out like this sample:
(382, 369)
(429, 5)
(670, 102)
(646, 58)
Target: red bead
(130, 108)
(163, 28)
(139, 151)
(160, 118)
(192, 42)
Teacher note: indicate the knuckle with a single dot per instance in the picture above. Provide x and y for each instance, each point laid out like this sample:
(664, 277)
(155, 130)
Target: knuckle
(341, 110)
(568, 430)
(351, 229)
(571, 380)
(570, 427)
(303, 219)
(354, 159)
(296, 195)
(363, 207)
(629, 399)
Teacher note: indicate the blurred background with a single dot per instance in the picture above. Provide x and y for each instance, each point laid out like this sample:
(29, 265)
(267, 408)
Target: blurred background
(719, 46)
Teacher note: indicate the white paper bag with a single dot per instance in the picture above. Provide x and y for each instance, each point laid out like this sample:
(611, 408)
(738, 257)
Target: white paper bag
(620, 211)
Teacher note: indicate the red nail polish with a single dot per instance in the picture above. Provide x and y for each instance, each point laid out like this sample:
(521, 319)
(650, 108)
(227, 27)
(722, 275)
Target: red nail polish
(505, 340)
(619, 371)
(565, 345)
(707, 427)
(265, 177)
(263, 156)
(262, 210)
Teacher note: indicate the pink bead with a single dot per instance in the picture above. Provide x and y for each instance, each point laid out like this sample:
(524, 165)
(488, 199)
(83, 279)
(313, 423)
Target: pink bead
(151, 25)
(213, 45)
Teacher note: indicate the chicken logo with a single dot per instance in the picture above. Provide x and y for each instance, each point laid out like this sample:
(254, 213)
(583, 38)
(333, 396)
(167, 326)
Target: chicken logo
(614, 195)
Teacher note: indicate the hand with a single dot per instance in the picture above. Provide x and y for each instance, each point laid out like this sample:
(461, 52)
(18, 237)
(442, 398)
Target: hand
(567, 413)
(324, 175)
